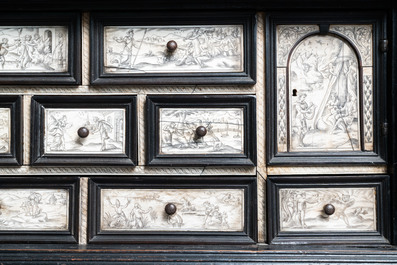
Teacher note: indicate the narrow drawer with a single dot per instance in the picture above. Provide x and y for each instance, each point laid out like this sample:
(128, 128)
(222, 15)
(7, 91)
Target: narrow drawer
(328, 210)
(172, 209)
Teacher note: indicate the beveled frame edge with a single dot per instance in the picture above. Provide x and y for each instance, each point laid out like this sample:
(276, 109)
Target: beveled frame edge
(379, 155)
(380, 237)
(15, 157)
(99, 19)
(70, 19)
(153, 103)
(248, 236)
(52, 237)
(38, 105)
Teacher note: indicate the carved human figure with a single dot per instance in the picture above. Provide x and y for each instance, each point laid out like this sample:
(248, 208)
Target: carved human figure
(128, 42)
(104, 128)
(137, 216)
(119, 219)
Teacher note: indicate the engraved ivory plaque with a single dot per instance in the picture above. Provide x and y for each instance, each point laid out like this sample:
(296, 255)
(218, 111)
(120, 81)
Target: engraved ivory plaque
(106, 131)
(197, 210)
(302, 209)
(34, 209)
(129, 49)
(5, 130)
(318, 88)
(224, 131)
(33, 49)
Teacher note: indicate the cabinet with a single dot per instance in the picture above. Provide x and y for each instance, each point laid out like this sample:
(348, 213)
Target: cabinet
(163, 184)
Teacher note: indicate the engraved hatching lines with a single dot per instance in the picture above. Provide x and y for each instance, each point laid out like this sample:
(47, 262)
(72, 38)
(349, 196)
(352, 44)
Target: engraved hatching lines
(261, 208)
(361, 36)
(142, 129)
(86, 49)
(368, 102)
(287, 36)
(83, 210)
(282, 113)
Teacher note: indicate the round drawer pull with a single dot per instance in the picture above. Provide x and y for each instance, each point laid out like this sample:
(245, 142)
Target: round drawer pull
(329, 209)
(170, 208)
(201, 131)
(171, 46)
(83, 132)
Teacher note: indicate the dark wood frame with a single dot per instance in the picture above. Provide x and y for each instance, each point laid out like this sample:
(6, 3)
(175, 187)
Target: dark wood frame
(154, 103)
(96, 236)
(72, 184)
(72, 21)
(39, 103)
(379, 154)
(101, 19)
(14, 157)
(380, 182)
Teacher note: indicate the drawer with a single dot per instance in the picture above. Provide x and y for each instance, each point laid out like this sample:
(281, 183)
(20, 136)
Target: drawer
(84, 130)
(332, 210)
(173, 48)
(201, 130)
(172, 209)
(39, 210)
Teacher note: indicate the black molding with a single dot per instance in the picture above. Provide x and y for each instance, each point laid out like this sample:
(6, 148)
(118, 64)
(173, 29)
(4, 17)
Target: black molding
(246, 102)
(101, 20)
(70, 235)
(40, 103)
(15, 156)
(247, 236)
(72, 21)
(381, 236)
(379, 154)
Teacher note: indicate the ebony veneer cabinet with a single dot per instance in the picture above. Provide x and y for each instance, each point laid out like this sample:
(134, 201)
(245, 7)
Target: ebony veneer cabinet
(189, 132)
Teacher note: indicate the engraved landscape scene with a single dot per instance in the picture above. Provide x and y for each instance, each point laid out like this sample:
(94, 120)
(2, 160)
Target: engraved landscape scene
(224, 131)
(106, 131)
(302, 209)
(34, 209)
(5, 130)
(199, 49)
(197, 210)
(324, 96)
(33, 49)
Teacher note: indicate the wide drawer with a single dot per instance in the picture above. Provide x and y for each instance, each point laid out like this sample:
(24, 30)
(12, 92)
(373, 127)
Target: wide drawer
(149, 209)
(328, 210)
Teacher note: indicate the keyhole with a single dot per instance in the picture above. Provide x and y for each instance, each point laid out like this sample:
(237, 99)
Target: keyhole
(294, 92)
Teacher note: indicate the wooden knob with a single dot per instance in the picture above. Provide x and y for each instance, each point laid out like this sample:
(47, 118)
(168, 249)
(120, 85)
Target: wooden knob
(83, 132)
(329, 209)
(201, 131)
(171, 46)
(170, 208)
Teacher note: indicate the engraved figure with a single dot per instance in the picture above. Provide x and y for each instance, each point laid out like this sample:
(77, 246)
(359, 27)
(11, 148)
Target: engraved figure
(128, 41)
(137, 216)
(104, 128)
(57, 131)
(119, 219)
(303, 112)
(175, 220)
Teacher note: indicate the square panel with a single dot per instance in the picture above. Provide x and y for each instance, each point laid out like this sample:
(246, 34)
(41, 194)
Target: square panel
(40, 48)
(190, 48)
(201, 130)
(40, 210)
(85, 130)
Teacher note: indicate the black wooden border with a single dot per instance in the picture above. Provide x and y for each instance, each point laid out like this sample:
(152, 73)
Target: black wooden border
(247, 236)
(379, 155)
(38, 105)
(15, 156)
(101, 19)
(154, 103)
(72, 184)
(70, 19)
(381, 236)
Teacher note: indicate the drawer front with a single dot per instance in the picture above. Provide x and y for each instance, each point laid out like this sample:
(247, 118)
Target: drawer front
(172, 209)
(328, 210)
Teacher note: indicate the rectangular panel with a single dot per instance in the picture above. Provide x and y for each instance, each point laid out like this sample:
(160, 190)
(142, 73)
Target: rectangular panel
(5, 130)
(224, 131)
(201, 130)
(203, 49)
(34, 49)
(34, 209)
(173, 48)
(106, 129)
(167, 209)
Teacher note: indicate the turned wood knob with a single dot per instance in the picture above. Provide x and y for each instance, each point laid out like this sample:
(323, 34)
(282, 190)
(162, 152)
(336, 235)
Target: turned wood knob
(329, 209)
(170, 208)
(171, 46)
(83, 132)
(201, 131)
